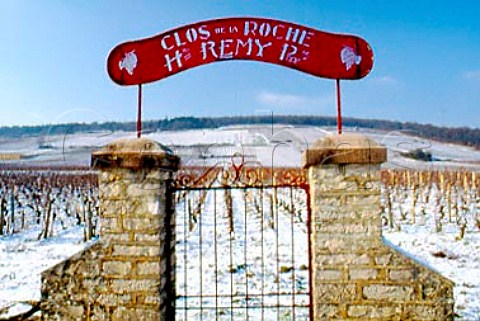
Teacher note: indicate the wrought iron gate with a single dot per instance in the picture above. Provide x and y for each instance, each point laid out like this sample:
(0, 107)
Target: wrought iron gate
(242, 249)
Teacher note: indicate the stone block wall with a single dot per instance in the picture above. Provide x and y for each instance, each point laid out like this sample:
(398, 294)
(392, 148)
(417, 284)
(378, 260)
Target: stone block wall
(356, 275)
(128, 274)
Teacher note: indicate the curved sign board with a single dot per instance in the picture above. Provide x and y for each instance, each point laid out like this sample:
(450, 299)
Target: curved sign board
(312, 51)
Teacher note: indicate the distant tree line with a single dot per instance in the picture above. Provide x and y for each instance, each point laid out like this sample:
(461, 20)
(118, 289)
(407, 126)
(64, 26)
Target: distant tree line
(459, 135)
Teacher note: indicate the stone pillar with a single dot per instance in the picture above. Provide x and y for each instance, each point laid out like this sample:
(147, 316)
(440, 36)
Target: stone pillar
(129, 273)
(356, 275)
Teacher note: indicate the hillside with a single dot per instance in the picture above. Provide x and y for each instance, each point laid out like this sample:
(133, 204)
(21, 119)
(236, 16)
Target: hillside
(278, 145)
(458, 135)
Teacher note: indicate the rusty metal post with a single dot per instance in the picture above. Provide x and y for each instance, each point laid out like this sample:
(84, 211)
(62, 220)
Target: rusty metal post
(339, 107)
(139, 112)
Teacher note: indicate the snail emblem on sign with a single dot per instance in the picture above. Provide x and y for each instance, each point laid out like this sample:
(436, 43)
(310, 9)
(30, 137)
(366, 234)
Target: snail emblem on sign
(129, 62)
(349, 57)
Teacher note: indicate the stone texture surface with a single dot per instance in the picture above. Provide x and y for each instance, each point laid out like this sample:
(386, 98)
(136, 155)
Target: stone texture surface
(356, 275)
(344, 149)
(140, 153)
(126, 274)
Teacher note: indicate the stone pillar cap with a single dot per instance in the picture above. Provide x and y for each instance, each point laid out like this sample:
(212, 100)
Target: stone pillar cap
(135, 153)
(343, 149)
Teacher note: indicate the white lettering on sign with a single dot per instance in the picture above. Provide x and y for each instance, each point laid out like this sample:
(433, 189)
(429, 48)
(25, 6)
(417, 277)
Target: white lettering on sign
(293, 39)
(223, 48)
(288, 52)
(220, 30)
(209, 45)
(186, 54)
(264, 29)
(292, 34)
(254, 29)
(204, 33)
(250, 27)
(225, 45)
(191, 35)
(164, 44)
(241, 44)
(253, 41)
(276, 32)
(261, 47)
(305, 55)
(177, 58)
(177, 39)
(279, 31)
(305, 37)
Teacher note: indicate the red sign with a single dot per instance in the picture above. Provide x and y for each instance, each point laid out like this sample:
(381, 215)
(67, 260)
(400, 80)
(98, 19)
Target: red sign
(315, 52)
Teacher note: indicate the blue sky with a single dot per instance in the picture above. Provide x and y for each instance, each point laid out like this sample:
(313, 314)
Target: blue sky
(53, 54)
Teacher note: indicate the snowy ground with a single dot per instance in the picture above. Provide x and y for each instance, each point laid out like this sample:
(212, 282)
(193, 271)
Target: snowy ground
(23, 258)
(437, 242)
(280, 145)
(245, 272)
(461, 262)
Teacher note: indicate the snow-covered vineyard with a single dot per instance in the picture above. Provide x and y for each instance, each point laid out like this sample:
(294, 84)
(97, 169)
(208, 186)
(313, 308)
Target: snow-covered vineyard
(435, 216)
(47, 216)
(238, 262)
